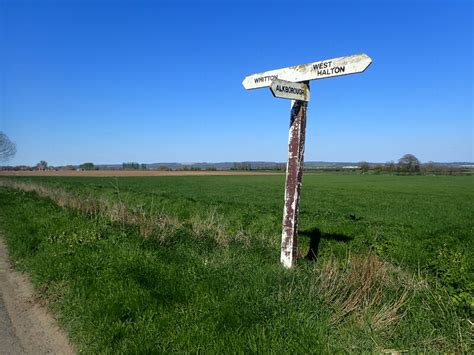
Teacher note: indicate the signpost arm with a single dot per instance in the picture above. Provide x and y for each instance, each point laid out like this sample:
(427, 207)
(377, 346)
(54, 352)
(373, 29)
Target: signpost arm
(294, 175)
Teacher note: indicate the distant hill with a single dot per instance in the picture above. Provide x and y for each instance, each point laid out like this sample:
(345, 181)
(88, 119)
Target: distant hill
(244, 165)
(258, 165)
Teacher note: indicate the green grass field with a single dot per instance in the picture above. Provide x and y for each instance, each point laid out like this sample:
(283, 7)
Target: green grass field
(186, 264)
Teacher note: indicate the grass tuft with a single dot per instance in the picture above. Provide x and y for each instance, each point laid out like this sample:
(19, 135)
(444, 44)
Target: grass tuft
(365, 289)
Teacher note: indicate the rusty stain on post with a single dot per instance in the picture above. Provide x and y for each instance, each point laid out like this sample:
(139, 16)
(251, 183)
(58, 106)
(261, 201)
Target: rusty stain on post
(294, 175)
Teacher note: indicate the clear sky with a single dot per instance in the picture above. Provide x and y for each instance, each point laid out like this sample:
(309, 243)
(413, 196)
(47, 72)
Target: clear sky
(151, 81)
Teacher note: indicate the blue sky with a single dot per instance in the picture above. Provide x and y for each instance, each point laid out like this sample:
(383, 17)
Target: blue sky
(151, 81)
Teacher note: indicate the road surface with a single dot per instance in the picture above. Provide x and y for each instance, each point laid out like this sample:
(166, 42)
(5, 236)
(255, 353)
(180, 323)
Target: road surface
(25, 325)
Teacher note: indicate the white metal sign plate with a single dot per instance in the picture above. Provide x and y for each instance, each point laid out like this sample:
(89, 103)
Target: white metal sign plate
(288, 90)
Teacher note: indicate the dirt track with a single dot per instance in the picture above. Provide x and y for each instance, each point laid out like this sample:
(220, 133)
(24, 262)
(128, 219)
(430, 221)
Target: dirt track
(105, 173)
(25, 325)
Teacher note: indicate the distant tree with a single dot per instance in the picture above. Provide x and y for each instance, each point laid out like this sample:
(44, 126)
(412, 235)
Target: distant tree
(429, 167)
(87, 166)
(281, 167)
(242, 166)
(7, 147)
(390, 166)
(409, 163)
(130, 166)
(364, 167)
(378, 169)
(42, 165)
(143, 167)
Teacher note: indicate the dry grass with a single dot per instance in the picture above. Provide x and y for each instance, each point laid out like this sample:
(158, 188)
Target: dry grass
(107, 173)
(151, 224)
(365, 290)
(211, 224)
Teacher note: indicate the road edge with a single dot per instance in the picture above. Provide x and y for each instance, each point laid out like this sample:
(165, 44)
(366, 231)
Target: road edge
(35, 328)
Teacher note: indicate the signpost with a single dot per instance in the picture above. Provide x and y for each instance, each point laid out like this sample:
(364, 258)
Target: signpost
(293, 83)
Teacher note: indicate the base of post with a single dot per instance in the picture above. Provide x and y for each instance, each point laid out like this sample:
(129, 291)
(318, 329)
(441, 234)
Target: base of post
(286, 262)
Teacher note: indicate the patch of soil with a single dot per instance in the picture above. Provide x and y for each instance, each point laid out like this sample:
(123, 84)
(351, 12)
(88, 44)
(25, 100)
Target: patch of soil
(26, 327)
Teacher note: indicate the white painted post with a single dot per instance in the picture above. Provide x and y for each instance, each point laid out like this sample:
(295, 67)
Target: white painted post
(294, 177)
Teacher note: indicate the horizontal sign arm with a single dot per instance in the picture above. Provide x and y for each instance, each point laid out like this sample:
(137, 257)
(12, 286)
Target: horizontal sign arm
(312, 71)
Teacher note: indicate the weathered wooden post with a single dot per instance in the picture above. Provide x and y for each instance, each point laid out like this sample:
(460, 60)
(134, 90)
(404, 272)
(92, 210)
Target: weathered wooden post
(294, 177)
(293, 83)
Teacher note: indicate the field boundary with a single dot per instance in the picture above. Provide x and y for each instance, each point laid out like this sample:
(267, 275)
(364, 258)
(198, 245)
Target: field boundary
(118, 173)
(149, 223)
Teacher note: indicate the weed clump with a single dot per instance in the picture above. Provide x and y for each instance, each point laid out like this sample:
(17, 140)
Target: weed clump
(365, 290)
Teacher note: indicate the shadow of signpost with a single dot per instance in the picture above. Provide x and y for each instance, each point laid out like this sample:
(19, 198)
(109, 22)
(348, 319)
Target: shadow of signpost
(315, 236)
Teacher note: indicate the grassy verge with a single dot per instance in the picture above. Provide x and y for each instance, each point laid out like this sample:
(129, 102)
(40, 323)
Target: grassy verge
(189, 283)
(419, 223)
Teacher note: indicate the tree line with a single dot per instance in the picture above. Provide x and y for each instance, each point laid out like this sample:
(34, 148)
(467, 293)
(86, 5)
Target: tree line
(407, 164)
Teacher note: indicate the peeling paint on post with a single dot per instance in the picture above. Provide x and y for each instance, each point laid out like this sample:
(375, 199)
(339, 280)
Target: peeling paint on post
(294, 176)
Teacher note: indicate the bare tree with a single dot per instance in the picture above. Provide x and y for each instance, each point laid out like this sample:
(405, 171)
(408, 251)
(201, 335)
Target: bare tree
(429, 167)
(7, 147)
(390, 166)
(409, 163)
(42, 165)
(364, 167)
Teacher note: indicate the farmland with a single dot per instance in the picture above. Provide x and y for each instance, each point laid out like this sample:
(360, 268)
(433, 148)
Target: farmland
(191, 263)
